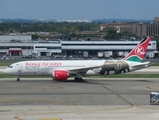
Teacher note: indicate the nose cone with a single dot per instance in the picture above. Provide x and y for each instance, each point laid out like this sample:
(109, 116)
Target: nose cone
(8, 71)
(5, 71)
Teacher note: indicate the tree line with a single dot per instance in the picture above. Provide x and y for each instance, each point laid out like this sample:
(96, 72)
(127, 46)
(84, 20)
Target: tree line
(63, 28)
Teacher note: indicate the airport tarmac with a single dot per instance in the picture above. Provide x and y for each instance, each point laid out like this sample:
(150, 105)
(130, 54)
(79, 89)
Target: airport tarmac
(93, 99)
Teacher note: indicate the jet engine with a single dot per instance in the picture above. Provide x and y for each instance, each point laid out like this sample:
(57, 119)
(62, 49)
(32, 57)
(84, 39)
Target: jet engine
(60, 75)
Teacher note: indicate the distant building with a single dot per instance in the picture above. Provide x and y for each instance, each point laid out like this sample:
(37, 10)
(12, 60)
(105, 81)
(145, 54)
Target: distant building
(120, 26)
(140, 29)
(89, 35)
(75, 49)
(15, 38)
(156, 20)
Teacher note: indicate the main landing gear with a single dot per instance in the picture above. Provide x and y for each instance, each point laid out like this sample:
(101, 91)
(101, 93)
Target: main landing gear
(78, 79)
(18, 79)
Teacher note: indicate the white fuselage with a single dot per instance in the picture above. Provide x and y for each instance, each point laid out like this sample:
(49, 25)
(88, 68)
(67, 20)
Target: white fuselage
(47, 67)
(84, 67)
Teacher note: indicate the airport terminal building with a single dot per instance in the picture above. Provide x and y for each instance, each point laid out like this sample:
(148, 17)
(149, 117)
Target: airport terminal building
(24, 46)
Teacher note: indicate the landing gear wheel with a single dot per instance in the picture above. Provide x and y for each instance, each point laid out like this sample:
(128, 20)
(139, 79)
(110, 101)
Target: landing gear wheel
(18, 79)
(78, 79)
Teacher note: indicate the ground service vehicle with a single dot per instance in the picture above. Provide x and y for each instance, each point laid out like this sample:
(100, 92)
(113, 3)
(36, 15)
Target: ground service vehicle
(154, 97)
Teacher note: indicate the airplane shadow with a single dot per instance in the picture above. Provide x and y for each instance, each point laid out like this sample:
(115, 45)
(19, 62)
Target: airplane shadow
(88, 81)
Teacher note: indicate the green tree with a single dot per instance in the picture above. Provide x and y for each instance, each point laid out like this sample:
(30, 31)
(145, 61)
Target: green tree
(35, 36)
(111, 33)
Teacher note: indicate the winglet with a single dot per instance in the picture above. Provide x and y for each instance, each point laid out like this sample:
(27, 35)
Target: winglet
(138, 53)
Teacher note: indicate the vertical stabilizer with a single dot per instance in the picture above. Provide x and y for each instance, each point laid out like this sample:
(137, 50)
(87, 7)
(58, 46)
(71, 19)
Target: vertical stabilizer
(138, 53)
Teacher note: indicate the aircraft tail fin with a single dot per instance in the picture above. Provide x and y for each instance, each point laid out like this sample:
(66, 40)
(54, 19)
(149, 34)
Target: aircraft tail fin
(137, 54)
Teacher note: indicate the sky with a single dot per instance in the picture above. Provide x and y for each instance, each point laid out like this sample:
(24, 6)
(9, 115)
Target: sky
(79, 9)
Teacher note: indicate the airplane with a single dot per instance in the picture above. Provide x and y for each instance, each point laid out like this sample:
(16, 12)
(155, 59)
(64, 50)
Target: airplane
(60, 70)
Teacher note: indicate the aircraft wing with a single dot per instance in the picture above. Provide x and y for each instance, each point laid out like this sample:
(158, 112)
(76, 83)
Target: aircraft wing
(81, 70)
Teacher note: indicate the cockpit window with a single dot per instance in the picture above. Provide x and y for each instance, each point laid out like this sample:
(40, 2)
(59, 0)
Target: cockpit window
(10, 66)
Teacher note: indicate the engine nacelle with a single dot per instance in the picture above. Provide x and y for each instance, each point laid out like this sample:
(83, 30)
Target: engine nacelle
(60, 75)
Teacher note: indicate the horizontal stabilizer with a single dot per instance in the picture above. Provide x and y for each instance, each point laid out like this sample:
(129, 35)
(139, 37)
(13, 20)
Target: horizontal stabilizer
(140, 64)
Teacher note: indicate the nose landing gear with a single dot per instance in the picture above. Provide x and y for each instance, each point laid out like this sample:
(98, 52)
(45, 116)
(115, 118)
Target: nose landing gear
(18, 79)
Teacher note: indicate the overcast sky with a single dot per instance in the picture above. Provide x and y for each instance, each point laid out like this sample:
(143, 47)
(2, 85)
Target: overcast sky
(79, 9)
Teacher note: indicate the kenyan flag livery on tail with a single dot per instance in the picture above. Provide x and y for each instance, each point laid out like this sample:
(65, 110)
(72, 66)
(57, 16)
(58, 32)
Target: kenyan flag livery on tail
(138, 53)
